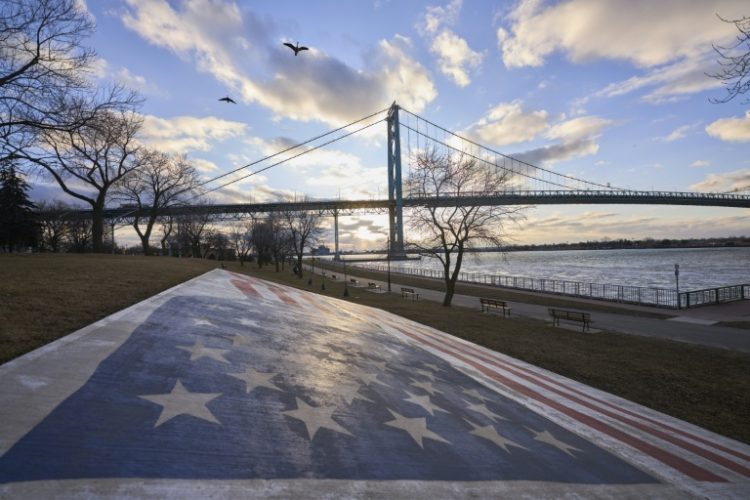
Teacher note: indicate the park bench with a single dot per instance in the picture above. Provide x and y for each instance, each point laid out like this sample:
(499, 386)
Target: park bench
(353, 281)
(374, 286)
(409, 293)
(487, 304)
(579, 316)
(333, 276)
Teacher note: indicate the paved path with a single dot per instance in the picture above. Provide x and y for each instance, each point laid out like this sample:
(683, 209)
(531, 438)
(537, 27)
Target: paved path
(228, 386)
(693, 326)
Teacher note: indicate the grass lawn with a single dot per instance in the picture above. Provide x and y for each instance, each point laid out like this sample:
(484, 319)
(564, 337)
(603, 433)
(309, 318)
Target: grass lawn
(47, 296)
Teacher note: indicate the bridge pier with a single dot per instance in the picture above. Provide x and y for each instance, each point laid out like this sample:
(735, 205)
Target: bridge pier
(396, 208)
(336, 254)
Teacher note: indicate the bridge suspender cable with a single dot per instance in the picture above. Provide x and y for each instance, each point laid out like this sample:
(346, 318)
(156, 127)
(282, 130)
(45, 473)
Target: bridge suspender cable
(285, 159)
(585, 182)
(295, 147)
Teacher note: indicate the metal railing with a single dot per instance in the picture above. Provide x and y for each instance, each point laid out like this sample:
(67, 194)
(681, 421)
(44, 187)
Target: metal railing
(709, 296)
(626, 294)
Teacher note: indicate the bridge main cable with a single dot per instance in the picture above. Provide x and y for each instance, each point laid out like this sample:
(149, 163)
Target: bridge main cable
(318, 137)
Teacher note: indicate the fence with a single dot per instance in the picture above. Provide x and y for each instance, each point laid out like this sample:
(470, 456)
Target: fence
(709, 296)
(660, 297)
(626, 294)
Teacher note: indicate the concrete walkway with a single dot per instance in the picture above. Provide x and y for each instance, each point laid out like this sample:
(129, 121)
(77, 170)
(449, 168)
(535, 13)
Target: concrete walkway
(234, 387)
(696, 326)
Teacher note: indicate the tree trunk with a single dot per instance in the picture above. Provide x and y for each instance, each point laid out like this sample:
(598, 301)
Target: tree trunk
(450, 289)
(299, 265)
(97, 227)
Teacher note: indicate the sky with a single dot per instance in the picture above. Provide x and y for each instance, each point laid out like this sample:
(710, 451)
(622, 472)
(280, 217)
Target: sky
(606, 90)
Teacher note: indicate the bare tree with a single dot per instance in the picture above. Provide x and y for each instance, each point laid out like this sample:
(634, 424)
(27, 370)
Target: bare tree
(304, 228)
(262, 239)
(45, 72)
(54, 227)
(734, 61)
(159, 182)
(88, 161)
(42, 62)
(242, 240)
(78, 235)
(446, 232)
(192, 231)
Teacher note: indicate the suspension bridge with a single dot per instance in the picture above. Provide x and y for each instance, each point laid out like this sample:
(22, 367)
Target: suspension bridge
(527, 184)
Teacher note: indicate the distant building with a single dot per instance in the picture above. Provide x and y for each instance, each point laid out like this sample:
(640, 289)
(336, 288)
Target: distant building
(322, 250)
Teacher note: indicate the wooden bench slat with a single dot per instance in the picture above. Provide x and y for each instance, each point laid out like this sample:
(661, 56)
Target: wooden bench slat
(499, 304)
(566, 314)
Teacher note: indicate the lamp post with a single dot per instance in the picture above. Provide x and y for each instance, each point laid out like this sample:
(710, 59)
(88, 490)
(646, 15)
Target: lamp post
(388, 259)
(309, 281)
(677, 281)
(346, 280)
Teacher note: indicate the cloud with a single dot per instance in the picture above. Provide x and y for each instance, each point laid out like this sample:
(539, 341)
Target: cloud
(672, 81)
(341, 172)
(576, 137)
(435, 17)
(643, 32)
(187, 133)
(542, 226)
(508, 123)
(721, 183)
(670, 38)
(676, 134)
(139, 83)
(243, 52)
(700, 164)
(455, 57)
(731, 129)
(204, 166)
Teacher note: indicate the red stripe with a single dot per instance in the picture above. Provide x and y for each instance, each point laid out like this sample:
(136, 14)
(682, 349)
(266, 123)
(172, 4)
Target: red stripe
(246, 288)
(687, 468)
(281, 294)
(723, 461)
(676, 430)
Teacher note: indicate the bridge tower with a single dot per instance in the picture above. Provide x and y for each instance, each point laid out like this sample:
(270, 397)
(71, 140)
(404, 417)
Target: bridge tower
(396, 206)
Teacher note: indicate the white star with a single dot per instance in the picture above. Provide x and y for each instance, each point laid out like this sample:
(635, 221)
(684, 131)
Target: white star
(249, 322)
(255, 379)
(349, 392)
(424, 402)
(183, 402)
(380, 365)
(426, 373)
(483, 410)
(416, 427)
(369, 378)
(426, 386)
(201, 321)
(489, 433)
(432, 367)
(315, 417)
(546, 437)
(199, 351)
(475, 394)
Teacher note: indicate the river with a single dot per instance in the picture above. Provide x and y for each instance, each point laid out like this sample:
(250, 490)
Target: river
(699, 267)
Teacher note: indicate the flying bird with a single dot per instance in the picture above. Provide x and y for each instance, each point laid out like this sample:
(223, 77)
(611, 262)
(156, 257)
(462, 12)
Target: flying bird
(296, 48)
(228, 99)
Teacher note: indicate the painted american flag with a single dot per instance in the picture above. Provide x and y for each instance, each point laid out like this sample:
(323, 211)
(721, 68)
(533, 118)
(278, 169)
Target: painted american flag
(273, 383)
